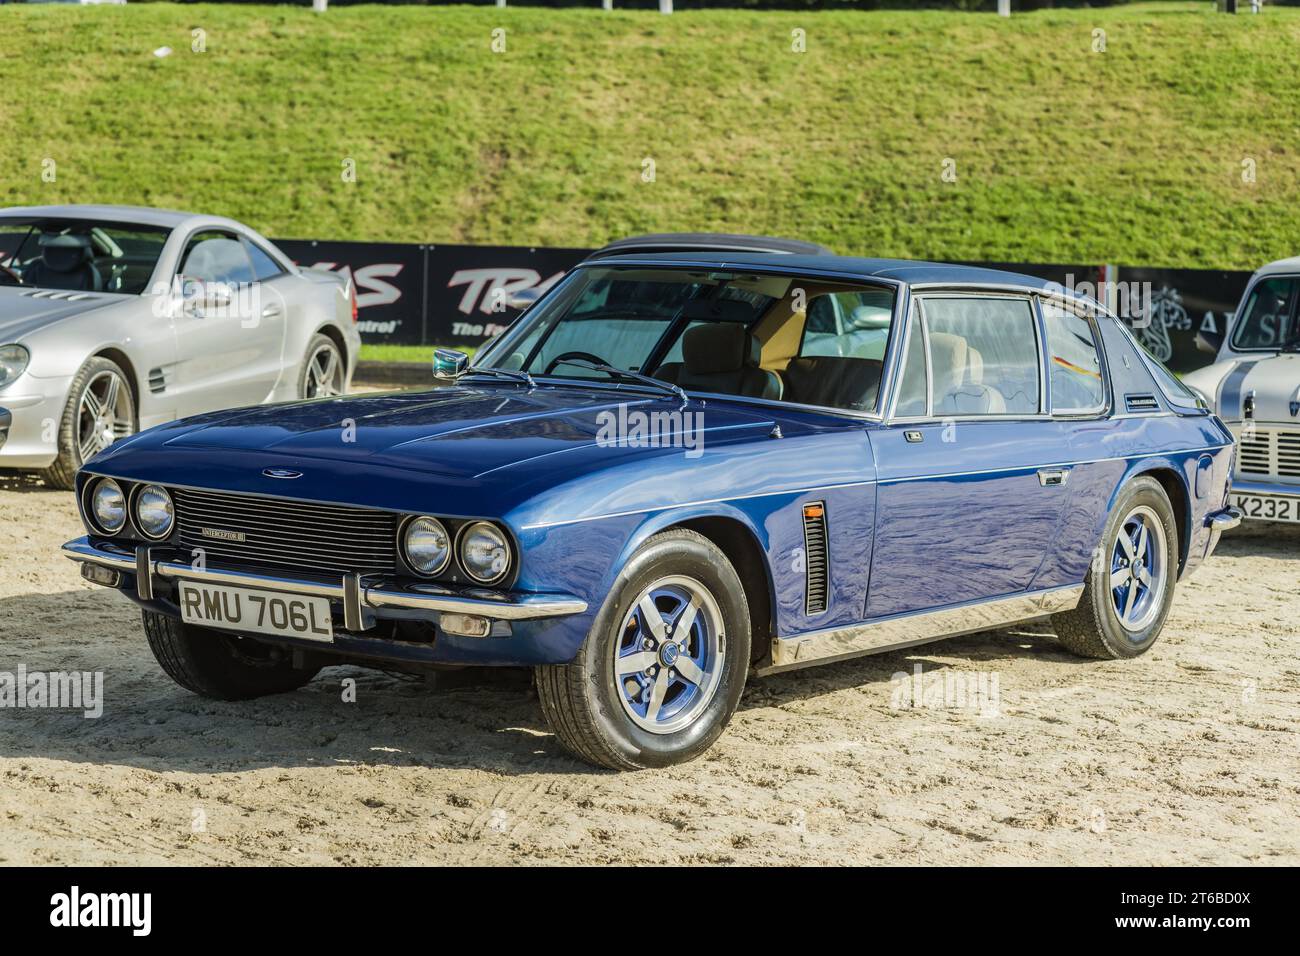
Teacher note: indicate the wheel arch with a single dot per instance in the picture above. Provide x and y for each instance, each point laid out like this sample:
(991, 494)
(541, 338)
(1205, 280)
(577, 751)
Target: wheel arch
(123, 361)
(1175, 487)
(331, 332)
(736, 538)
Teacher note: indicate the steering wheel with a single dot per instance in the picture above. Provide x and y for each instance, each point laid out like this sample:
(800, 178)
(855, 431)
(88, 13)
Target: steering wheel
(550, 366)
(9, 277)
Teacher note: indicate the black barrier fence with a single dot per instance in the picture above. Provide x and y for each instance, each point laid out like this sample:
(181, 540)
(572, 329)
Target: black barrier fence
(457, 295)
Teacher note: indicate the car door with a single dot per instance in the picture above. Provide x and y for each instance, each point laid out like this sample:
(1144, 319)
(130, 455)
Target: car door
(228, 352)
(973, 475)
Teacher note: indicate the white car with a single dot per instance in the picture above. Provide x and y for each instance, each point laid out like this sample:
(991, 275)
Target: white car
(117, 318)
(1254, 385)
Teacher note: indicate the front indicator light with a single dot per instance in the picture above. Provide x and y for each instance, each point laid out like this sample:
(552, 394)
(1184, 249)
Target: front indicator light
(465, 625)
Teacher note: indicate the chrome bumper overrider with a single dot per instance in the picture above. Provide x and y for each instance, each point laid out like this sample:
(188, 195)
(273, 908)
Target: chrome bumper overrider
(1224, 520)
(354, 591)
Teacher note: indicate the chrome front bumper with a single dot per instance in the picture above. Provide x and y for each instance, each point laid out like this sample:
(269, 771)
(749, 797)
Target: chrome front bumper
(356, 592)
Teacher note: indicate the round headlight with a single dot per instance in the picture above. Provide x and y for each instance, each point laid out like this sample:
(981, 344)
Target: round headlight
(13, 362)
(484, 552)
(153, 511)
(108, 506)
(427, 545)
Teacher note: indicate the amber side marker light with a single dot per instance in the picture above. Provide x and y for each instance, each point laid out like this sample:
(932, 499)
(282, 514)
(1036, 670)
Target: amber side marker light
(814, 511)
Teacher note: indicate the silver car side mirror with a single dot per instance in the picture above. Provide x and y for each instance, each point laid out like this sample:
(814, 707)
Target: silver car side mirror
(523, 298)
(449, 364)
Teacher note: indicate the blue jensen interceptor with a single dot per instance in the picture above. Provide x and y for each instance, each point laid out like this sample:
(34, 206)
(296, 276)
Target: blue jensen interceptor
(675, 471)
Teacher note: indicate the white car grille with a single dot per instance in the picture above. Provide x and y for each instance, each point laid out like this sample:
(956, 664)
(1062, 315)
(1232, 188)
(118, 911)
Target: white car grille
(1270, 453)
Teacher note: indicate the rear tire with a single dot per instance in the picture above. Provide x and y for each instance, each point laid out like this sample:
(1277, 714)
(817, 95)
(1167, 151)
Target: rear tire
(323, 373)
(1120, 616)
(216, 665)
(671, 706)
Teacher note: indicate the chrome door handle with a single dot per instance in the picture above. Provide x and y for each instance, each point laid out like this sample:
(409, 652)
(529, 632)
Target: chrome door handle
(1050, 477)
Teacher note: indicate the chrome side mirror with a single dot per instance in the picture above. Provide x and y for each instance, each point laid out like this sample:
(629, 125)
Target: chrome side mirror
(449, 364)
(523, 298)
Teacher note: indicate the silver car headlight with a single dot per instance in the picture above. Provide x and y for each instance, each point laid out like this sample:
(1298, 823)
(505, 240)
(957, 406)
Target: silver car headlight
(108, 506)
(484, 552)
(13, 362)
(154, 514)
(426, 545)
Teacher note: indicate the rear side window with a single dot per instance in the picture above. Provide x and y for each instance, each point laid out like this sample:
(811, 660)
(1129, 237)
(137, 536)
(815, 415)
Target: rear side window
(1075, 364)
(983, 356)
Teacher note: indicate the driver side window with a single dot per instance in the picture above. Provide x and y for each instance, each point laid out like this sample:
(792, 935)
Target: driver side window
(216, 257)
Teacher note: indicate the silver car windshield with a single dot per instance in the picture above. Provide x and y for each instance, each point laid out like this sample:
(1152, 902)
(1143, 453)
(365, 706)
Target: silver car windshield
(81, 255)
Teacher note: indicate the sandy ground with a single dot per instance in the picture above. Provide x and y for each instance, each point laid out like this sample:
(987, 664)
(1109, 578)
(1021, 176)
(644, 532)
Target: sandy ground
(1188, 755)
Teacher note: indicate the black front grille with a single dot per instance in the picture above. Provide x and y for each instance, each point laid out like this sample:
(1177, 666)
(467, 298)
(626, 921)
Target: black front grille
(276, 533)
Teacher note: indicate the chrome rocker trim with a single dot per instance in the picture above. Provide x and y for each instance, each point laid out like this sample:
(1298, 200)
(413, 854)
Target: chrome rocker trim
(916, 627)
(353, 591)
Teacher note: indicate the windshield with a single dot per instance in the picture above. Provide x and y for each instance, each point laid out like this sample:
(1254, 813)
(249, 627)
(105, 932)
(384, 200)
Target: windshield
(1268, 320)
(801, 340)
(81, 255)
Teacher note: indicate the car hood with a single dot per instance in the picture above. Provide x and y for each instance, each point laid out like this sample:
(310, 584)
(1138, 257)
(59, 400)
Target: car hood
(1275, 380)
(23, 310)
(495, 442)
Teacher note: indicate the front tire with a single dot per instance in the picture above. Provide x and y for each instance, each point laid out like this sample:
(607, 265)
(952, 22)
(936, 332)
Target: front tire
(216, 665)
(1130, 583)
(663, 667)
(99, 411)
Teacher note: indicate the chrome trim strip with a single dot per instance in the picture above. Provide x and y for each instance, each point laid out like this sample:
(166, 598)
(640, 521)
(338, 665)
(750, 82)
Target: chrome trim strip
(882, 481)
(385, 593)
(915, 627)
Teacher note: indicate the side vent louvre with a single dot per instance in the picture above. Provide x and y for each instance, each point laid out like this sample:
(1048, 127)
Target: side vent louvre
(157, 381)
(814, 543)
(1141, 403)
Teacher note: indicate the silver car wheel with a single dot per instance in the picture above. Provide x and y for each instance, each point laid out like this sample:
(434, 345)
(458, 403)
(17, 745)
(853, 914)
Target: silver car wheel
(1138, 575)
(104, 414)
(324, 375)
(668, 662)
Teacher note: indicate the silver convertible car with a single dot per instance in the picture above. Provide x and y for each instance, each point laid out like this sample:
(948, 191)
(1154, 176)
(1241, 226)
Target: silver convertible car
(117, 318)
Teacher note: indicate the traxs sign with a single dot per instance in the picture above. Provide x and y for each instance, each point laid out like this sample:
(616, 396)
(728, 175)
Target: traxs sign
(98, 910)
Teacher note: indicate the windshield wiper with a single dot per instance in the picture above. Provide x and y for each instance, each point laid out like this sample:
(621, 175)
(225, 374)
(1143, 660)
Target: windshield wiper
(634, 376)
(515, 374)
